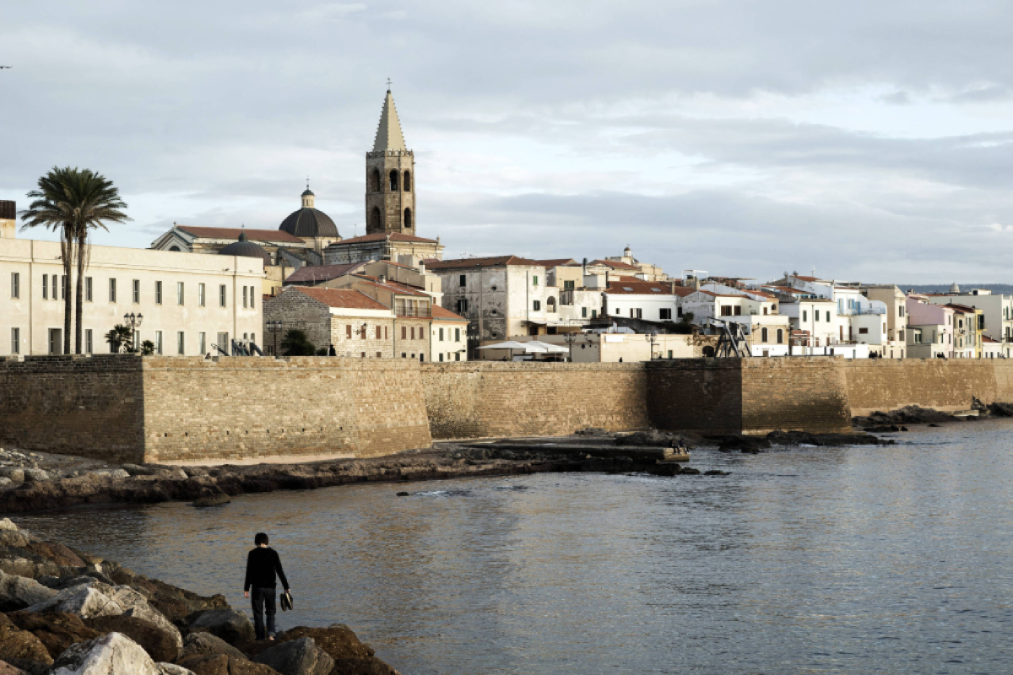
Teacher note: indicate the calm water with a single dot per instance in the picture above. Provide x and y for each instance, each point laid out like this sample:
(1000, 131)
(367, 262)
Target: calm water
(852, 560)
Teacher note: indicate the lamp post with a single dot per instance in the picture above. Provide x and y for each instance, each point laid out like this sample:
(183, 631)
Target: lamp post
(654, 341)
(134, 322)
(274, 327)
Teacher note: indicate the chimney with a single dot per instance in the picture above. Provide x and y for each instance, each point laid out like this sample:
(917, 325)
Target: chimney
(696, 283)
(8, 220)
(383, 278)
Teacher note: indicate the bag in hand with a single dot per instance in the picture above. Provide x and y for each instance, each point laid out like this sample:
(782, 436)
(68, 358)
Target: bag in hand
(286, 601)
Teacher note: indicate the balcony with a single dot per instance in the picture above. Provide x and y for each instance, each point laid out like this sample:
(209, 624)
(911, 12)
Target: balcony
(414, 312)
(858, 311)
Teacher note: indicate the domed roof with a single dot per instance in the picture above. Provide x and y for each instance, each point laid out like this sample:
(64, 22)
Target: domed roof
(308, 193)
(309, 222)
(247, 249)
(954, 288)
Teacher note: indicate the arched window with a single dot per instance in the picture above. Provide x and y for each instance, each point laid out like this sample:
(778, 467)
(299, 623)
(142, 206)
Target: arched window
(374, 219)
(174, 248)
(374, 181)
(406, 182)
(407, 217)
(780, 336)
(763, 335)
(393, 181)
(708, 351)
(551, 304)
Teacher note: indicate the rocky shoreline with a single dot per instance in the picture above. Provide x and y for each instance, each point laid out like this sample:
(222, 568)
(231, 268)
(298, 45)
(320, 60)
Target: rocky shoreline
(65, 612)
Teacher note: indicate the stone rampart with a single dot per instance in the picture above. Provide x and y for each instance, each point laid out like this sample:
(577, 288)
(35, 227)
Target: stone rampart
(484, 399)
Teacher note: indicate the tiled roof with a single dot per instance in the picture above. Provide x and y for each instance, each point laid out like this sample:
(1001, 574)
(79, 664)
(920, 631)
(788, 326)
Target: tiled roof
(556, 262)
(341, 297)
(614, 264)
(961, 308)
(640, 288)
(494, 261)
(441, 314)
(321, 273)
(381, 236)
(234, 232)
(805, 278)
(389, 285)
(986, 338)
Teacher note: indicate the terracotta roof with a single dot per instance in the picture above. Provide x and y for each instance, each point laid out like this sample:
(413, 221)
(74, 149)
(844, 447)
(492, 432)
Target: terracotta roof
(494, 261)
(961, 308)
(761, 293)
(234, 232)
(805, 278)
(441, 314)
(380, 236)
(787, 289)
(321, 273)
(614, 264)
(556, 262)
(639, 287)
(341, 297)
(723, 295)
(389, 285)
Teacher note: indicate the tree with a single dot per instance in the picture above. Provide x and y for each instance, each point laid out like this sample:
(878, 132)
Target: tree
(97, 202)
(53, 207)
(120, 339)
(295, 343)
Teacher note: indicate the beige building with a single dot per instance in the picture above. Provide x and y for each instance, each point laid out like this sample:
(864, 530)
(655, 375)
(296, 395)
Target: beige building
(355, 325)
(617, 347)
(449, 338)
(188, 302)
(626, 263)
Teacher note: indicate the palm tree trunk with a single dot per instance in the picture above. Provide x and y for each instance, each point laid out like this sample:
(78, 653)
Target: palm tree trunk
(79, 296)
(67, 251)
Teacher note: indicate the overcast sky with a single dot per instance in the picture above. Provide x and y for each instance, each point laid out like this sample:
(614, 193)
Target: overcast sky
(868, 140)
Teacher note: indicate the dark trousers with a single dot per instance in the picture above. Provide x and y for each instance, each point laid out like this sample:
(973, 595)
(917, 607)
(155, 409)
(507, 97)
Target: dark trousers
(263, 598)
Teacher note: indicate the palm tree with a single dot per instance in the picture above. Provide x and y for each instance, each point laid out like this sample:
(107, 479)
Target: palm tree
(98, 200)
(53, 208)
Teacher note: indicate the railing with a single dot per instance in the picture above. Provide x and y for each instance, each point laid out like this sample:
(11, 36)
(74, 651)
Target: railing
(858, 311)
(414, 312)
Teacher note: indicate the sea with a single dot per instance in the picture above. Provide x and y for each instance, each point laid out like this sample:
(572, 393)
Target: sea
(892, 559)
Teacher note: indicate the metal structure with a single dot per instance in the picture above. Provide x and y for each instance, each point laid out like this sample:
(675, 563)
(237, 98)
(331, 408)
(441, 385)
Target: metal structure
(733, 342)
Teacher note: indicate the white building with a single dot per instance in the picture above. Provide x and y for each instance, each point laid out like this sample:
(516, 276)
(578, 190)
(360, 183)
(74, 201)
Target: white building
(997, 309)
(188, 301)
(647, 300)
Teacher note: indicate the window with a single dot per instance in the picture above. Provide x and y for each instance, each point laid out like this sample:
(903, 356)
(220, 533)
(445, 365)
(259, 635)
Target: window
(816, 316)
(457, 356)
(112, 290)
(87, 289)
(463, 281)
(863, 331)
(738, 310)
(15, 340)
(158, 292)
(202, 342)
(406, 183)
(441, 335)
(828, 315)
(252, 288)
(179, 293)
(244, 297)
(764, 311)
(726, 310)
(462, 306)
(180, 343)
(407, 217)
(158, 342)
(348, 332)
(805, 315)
(413, 332)
(665, 314)
(393, 185)
(536, 305)
(253, 338)
(583, 312)
(441, 357)
(379, 333)
(15, 286)
(221, 295)
(763, 335)
(223, 342)
(55, 341)
(379, 355)
(780, 336)
(63, 287)
(88, 344)
(45, 287)
(137, 291)
(457, 335)
(900, 311)
(534, 280)
(200, 300)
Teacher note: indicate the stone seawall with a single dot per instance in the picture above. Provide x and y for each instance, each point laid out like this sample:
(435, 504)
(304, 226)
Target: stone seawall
(482, 399)
(132, 409)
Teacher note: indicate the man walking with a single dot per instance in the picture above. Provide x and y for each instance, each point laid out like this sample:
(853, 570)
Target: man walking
(261, 566)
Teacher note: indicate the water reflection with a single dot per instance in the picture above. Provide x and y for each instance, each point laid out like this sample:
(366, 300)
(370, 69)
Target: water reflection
(846, 560)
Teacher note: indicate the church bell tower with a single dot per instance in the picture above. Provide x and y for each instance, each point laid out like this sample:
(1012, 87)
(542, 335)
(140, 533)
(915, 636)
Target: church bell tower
(390, 177)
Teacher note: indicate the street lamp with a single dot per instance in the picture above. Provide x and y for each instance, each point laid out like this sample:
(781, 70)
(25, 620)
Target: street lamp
(134, 322)
(570, 339)
(274, 327)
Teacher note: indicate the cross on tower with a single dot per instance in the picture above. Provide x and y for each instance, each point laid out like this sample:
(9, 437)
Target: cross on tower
(388, 84)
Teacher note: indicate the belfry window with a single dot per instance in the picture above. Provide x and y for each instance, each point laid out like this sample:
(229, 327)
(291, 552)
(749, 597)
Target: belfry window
(374, 182)
(407, 217)
(393, 181)
(374, 219)
(407, 182)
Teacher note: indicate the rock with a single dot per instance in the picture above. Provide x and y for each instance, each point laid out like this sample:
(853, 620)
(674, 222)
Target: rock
(666, 468)
(14, 538)
(206, 643)
(158, 620)
(169, 669)
(752, 444)
(715, 472)
(223, 664)
(36, 475)
(7, 524)
(228, 624)
(213, 500)
(8, 669)
(690, 471)
(159, 644)
(22, 649)
(15, 475)
(297, 657)
(18, 592)
(85, 601)
(58, 553)
(112, 654)
(111, 473)
(935, 425)
(337, 640)
(56, 630)
(824, 440)
(1000, 409)
(5, 482)
(911, 414)
(402, 494)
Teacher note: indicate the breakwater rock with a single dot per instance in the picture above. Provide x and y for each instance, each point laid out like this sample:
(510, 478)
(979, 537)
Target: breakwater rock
(66, 612)
(756, 444)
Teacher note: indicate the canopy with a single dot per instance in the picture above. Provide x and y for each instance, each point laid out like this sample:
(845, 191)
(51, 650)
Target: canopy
(528, 347)
(550, 348)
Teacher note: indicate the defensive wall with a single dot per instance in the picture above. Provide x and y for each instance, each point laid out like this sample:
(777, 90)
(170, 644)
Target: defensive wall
(128, 408)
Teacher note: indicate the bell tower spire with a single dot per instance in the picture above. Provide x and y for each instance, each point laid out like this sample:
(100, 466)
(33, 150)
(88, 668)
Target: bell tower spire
(390, 176)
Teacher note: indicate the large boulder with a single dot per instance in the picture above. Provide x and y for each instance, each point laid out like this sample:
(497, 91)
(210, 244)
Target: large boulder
(58, 553)
(56, 630)
(351, 656)
(206, 643)
(21, 648)
(228, 624)
(223, 664)
(19, 592)
(297, 657)
(169, 669)
(160, 645)
(110, 654)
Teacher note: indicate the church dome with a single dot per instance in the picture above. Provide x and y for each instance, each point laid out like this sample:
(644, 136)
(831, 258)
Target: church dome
(247, 249)
(309, 221)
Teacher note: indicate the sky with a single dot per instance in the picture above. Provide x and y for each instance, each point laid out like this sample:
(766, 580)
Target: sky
(864, 140)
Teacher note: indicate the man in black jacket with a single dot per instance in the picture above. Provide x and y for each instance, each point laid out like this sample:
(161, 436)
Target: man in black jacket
(261, 566)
